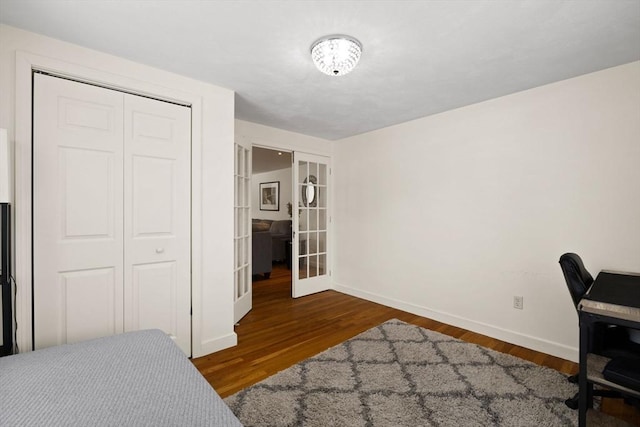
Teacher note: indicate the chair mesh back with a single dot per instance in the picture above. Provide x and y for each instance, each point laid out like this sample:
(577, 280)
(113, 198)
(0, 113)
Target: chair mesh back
(577, 277)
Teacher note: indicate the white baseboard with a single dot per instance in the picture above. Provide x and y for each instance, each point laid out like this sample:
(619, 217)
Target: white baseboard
(513, 337)
(216, 344)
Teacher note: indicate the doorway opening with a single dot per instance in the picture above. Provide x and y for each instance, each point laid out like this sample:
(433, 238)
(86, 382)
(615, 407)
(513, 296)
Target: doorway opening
(282, 216)
(271, 214)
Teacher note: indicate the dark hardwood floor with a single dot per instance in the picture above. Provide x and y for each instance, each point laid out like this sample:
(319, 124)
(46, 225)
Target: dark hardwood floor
(281, 331)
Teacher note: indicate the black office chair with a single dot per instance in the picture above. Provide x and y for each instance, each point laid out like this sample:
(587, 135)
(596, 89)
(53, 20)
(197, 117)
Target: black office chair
(609, 341)
(577, 277)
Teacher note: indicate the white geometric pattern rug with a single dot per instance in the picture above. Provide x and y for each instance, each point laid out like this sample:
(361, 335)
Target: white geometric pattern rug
(398, 374)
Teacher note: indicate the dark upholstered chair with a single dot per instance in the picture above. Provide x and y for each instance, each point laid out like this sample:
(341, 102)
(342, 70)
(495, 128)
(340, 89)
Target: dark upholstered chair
(261, 253)
(606, 340)
(280, 235)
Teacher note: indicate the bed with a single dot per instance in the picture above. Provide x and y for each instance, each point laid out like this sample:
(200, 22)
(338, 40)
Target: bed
(133, 379)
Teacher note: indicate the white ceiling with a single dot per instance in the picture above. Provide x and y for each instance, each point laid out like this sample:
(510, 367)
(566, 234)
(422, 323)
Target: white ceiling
(419, 57)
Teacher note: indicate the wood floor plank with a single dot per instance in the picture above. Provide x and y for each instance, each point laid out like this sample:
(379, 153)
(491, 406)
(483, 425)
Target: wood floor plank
(281, 331)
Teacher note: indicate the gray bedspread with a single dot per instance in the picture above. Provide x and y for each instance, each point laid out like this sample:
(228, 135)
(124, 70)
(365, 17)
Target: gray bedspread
(133, 379)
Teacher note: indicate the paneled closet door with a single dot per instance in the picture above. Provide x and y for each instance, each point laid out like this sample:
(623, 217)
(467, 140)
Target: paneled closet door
(157, 164)
(111, 214)
(77, 211)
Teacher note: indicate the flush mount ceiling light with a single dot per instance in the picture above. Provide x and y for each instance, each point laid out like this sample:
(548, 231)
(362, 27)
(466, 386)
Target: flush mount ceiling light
(336, 55)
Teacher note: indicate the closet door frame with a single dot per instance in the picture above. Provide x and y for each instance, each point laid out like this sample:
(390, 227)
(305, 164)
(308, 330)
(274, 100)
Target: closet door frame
(26, 64)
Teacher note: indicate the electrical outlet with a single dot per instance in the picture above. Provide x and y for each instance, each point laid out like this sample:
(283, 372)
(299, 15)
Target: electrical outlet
(518, 302)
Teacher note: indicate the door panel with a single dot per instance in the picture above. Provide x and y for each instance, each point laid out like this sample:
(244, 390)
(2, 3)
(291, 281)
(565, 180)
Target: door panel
(83, 115)
(89, 304)
(77, 216)
(150, 214)
(310, 270)
(154, 296)
(242, 231)
(157, 164)
(154, 129)
(86, 178)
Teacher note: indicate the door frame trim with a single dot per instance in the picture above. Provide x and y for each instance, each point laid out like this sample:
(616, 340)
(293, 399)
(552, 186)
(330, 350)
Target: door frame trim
(25, 64)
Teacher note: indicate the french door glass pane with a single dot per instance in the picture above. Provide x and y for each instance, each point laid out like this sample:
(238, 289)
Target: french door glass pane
(247, 192)
(322, 197)
(303, 173)
(304, 217)
(302, 271)
(322, 263)
(302, 249)
(237, 253)
(313, 266)
(247, 250)
(312, 247)
(313, 219)
(237, 166)
(313, 171)
(303, 243)
(240, 191)
(236, 225)
(322, 219)
(247, 222)
(247, 164)
(322, 175)
(243, 252)
(322, 242)
(235, 193)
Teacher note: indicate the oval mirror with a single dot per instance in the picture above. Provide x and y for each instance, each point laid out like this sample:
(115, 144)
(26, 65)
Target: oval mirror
(309, 191)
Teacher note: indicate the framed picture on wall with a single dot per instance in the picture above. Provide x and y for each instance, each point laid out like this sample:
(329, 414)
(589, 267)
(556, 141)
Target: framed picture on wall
(270, 196)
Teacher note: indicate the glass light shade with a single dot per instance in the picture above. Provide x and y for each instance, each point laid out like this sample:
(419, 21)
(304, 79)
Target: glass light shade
(336, 55)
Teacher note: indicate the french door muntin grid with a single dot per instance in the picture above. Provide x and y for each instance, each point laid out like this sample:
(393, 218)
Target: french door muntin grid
(313, 219)
(242, 212)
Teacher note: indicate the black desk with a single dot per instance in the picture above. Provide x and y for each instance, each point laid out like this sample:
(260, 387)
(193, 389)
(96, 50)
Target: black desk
(614, 298)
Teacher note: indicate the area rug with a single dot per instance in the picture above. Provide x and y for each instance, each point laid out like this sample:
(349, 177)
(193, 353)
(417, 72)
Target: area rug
(399, 374)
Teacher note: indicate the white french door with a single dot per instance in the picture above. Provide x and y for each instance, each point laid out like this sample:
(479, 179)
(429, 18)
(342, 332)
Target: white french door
(310, 266)
(111, 214)
(242, 230)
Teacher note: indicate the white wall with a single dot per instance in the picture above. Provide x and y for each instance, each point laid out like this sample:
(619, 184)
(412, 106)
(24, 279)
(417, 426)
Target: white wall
(269, 137)
(284, 177)
(212, 142)
(452, 215)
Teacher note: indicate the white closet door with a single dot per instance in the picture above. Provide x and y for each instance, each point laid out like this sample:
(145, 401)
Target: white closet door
(157, 280)
(77, 211)
(111, 214)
